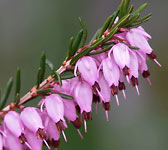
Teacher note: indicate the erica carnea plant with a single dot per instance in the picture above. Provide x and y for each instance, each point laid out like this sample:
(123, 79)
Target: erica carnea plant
(90, 73)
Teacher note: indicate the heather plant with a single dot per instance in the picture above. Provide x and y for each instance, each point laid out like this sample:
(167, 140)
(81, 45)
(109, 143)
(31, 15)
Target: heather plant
(90, 74)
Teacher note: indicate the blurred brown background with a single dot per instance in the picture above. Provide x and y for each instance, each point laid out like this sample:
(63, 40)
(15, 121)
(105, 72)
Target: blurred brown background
(27, 27)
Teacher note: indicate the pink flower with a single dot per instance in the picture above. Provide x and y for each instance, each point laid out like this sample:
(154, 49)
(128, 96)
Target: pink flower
(104, 93)
(12, 142)
(88, 69)
(83, 96)
(55, 110)
(138, 37)
(121, 85)
(35, 143)
(55, 107)
(13, 123)
(52, 130)
(134, 70)
(121, 55)
(65, 88)
(31, 119)
(70, 110)
(111, 73)
(1, 142)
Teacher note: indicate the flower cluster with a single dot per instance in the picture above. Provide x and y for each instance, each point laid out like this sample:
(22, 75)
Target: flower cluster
(101, 76)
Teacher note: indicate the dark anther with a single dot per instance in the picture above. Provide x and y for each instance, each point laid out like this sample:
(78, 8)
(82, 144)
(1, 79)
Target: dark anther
(87, 115)
(22, 138)
(126, 71)
(134, 81)
(114, 90)
(41, 134)
(77, 123)
(60, 125)
(146, 74)
(77, 109)
(152, 56)
(121, 86)
(96, 99)
(54, 143)
(96, 87)
(106, 106)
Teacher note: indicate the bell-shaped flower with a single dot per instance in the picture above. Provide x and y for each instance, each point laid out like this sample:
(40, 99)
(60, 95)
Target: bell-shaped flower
(31, 119)
(142, 66)
(134, 70)
(88, 69)
(138, 37)
(83, 96)
(110, 71)
(11, 142)
(1, 142)
(13, 123)
(133, 64)
(55, 107)
(121, 55)
(34, 142)
(70, 110)
(52, 130)
(121, 85)
(55, 110)
(104, 93)
(70, 114)
(65, 88)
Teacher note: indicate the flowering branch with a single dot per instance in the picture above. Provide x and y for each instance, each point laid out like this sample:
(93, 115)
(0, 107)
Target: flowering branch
(117, 51)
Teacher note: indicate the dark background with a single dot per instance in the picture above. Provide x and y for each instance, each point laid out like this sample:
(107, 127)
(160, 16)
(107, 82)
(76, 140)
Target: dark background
(28, 27)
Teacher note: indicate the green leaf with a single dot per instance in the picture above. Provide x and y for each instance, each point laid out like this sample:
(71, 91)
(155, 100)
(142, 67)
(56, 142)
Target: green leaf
(111, 34)
(50, 65)
(38, 77)
(18, 86)
(122, 21)
(45, 91)
(65, 96)
(105, 26)
(144, 19)
(132, 20)
(100, 51)
(108, 44)
(140, 9)
(121, 9)
(76, 43)
(42, 66)
(126, 6)
(68, 75)
(81, 54)
(140, 21)
(130, 9)
(84, 32)
(7, 92)
(58, 78)
(70, 52)
(95, 36)
(115, 14)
